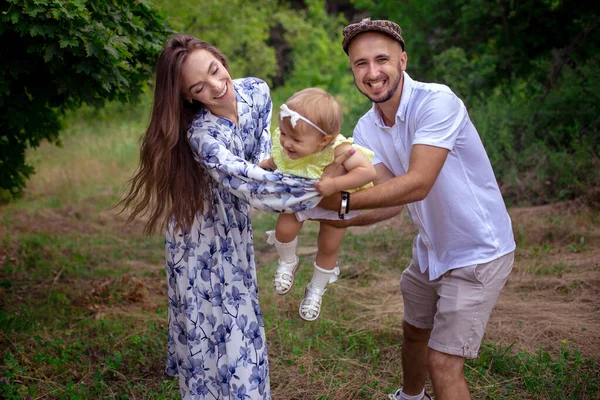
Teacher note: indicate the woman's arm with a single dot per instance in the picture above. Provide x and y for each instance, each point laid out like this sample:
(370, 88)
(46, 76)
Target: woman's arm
(267, 191)
(212, 140)
(360, 172)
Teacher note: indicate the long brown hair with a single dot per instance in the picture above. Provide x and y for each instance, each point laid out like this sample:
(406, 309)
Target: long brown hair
(169, 182)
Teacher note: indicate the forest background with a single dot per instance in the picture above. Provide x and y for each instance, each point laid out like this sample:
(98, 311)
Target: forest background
(81, 297)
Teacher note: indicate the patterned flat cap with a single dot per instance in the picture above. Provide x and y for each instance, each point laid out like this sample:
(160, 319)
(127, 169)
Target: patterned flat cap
(366, 25)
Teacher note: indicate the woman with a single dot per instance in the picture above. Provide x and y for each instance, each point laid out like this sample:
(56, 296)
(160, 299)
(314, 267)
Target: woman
(198, 175)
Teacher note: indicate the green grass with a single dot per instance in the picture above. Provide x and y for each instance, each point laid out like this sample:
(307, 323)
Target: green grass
(99, 151)
(83, 306)
(78, 321)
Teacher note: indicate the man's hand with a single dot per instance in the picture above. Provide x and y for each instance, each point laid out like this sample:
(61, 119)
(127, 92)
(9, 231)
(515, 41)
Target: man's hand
(336, 168)
(332, 200)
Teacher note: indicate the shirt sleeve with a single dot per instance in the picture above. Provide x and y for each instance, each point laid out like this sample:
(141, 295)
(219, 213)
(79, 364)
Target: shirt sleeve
(439, 120)
(267, 191)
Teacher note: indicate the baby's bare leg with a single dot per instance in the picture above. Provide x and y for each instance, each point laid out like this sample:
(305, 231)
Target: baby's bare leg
(330, 239)
(287, 228)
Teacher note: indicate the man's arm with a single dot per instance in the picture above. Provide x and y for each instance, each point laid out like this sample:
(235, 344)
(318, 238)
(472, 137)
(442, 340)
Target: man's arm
(360, 172)
(372, 216)
(426, 162)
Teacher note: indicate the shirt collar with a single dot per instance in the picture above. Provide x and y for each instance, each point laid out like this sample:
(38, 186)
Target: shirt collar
(407, 90)
(241, 95)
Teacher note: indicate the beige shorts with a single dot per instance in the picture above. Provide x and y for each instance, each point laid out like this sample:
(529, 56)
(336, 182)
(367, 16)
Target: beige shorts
(456, 306)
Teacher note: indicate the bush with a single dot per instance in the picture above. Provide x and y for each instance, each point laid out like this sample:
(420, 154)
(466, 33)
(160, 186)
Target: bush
(544, 144)
(58, 54)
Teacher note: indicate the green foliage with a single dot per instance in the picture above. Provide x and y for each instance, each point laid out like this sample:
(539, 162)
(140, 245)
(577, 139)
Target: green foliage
(239, 28)
(544, 145)
(316, 59)
(290, 48)
(315, 52)
(465, 75)
(57, 55)
(515, 34)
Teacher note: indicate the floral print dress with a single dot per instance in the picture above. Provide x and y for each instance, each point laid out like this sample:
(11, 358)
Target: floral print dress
(216, 339)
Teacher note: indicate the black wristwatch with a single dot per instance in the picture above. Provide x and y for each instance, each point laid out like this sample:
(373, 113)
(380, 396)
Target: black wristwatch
(344, 205)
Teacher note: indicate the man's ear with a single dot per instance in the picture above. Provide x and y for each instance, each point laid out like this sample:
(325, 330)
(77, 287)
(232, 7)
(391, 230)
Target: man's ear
(403, 60)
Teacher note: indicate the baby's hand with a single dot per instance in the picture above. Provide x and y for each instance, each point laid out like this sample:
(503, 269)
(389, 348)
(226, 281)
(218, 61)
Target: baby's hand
(326, 186)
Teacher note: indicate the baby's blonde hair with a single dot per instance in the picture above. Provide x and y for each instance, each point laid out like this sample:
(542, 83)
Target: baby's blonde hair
(315, 104)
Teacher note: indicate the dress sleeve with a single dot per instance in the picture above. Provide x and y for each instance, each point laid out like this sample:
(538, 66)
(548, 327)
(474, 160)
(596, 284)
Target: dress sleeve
(267, 191)
(264, 109)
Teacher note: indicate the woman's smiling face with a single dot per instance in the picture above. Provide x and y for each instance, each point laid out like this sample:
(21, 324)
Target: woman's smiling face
(206, 80)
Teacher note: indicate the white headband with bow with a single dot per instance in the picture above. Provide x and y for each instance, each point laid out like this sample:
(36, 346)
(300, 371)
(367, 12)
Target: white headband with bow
(294, 117)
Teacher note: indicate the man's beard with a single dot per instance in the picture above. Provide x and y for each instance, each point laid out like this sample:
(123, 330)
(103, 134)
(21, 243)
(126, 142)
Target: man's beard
(390, 92)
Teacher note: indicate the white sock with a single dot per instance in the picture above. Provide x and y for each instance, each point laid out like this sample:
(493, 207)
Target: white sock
(287, 251)
(407, 397)
(321, 277)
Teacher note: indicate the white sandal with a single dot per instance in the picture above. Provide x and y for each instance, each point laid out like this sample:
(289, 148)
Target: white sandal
(284, 276)
(396, 395)
(310, 306)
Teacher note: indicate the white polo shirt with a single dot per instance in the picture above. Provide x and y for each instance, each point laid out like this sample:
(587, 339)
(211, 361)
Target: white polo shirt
(463, 220)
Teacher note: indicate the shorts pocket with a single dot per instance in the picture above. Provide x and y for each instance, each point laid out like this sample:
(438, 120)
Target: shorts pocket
(467, 273)
(494, 270)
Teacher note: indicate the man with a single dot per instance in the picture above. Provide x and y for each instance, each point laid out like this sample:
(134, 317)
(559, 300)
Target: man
(429, 156)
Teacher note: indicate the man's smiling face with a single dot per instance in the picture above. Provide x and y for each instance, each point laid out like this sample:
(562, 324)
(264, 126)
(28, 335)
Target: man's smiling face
(377, 62)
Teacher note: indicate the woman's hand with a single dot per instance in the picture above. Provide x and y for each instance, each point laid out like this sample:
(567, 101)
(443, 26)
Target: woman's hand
(268, 164)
